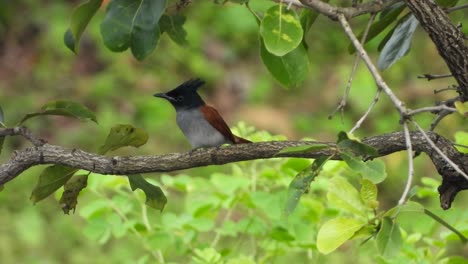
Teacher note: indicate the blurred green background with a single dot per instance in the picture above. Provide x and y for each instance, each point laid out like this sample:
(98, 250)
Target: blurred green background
(230, 208)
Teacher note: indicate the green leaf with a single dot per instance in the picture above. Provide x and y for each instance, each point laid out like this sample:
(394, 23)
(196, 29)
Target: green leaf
(145, 32)
(342, 136)
(357, 148)
(281, 234)
(122, 136)
(50, 180)
(399, 44)
(79, 20)
(281, 30)
(64, 108)
(289, 70)
(460, 138)
(462, 108)
(300, 184)
(155, 197)
(303, 148)
(408, 207)
(173, 26)
(388, 238)
(380, 25)
(373, 170)
(344, 196)
(72, 189)
(335, 232)
(368, 194)
(134, 24)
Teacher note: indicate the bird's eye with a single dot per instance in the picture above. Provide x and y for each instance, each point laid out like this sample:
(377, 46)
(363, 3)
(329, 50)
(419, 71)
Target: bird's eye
(179, 98)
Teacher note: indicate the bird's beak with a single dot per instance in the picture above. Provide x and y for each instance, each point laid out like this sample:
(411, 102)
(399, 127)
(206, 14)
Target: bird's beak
(163, 95)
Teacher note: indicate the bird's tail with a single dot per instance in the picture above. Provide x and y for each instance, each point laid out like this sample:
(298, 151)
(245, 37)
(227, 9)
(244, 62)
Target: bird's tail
(239, 140)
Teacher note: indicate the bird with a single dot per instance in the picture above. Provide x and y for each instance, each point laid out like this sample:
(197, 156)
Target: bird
(201, 124)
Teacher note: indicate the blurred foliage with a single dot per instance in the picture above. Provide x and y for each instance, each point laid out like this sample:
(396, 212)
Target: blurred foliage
(217, 214)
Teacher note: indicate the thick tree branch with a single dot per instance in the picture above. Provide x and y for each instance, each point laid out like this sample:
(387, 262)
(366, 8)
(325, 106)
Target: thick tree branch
(386, 144)
(447, 37)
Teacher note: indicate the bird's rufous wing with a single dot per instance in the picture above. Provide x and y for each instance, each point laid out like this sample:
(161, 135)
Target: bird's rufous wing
(214, 118)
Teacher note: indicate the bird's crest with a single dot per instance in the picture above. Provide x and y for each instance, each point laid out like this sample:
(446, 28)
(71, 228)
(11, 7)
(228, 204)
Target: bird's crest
(190, 85)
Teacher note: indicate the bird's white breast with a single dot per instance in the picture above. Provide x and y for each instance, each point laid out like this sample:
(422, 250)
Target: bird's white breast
(198, 131)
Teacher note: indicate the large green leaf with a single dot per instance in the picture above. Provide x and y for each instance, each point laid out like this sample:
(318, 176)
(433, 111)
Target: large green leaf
(173, 26)
(373, 170)
(335, 232)
(281, 30)
(122, 136)
(64, 108)
(300, 184)
(72, 189)
(79, 20)
(380, 25)
(145, 32)
(344, 196)
(291, 69)
(389, 239)
(399, 43)
(155, 197)
(50, 180)
(134, 24)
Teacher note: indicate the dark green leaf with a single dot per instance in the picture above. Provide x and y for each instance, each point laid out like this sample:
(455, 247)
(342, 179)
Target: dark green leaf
(399, 43)
(122, 136)
(155, 197)
(281, 234)
(64, 108)
(173, 26)
(388, 238)
(302, 149)
(116, 28)
(300, 184)
(380, 25)
(281, 30)
(145, 32)
(335, 232)
(289, 70)
(72, 189)
(50, 180)
(79, 20)
(357, 148)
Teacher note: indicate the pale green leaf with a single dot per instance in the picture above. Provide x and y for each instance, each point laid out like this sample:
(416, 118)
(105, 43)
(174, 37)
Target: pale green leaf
(368, 194)
(344, 196)
(64, 108)
(281, 30)
(337, 231)
(122, 136)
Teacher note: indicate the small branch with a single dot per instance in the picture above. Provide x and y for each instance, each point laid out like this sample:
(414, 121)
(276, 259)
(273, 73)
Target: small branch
(344, 100)
(437, 149)
(21, 131)
(430, 77)
(349, 12)
(450, 88)
(371, 106)
(456, 8)
(409, 150)
(432, 109)
(373, 70)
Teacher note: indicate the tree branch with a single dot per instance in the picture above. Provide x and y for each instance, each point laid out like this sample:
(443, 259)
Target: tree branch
(385, 144)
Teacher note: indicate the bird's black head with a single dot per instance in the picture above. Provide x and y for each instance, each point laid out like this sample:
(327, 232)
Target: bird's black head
(184, 96)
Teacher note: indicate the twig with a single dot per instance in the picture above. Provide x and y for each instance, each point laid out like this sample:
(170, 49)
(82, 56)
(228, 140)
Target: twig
(437, 149)
(357, 58)
(371, 106)
(456, 8)
(373, 70)
(409, 148)
(334, 12)
(22, 131)
(450, 88)
(442, 115)
(430, 77)
(432, 109)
